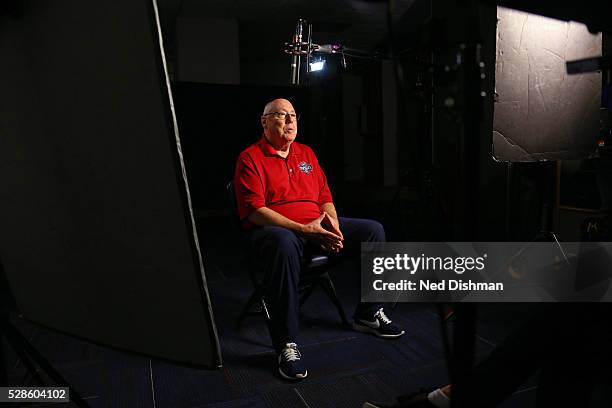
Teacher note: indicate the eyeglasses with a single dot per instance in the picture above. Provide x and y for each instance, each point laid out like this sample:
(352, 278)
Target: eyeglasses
(284, 115)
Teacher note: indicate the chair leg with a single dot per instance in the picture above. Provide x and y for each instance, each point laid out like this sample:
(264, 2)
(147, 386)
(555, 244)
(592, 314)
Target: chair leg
(330, 290)
(268, 317)
(307, 292)
(264, 307)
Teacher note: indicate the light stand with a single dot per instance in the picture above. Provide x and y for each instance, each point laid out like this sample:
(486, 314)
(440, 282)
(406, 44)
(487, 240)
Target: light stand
(301, 48)
(27, 353)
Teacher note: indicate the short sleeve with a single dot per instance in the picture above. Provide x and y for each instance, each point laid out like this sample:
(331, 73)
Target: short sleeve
(248, 186)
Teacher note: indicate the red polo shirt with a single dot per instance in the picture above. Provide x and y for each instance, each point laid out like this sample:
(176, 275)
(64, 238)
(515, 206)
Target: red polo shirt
(295, 187)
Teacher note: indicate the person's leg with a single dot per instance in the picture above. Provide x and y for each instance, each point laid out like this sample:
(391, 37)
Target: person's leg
(368, 317)
(279, 253)
(356, 231)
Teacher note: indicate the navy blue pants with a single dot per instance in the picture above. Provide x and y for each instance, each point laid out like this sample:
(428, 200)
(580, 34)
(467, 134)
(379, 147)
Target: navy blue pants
(280, 251)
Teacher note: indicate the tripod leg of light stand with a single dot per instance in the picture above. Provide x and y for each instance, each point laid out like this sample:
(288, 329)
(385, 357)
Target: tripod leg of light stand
(31, 368)
(17, 341)
(560, 247)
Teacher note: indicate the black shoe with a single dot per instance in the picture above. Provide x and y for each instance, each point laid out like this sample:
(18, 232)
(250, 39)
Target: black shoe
(290, 364)
(378, 324)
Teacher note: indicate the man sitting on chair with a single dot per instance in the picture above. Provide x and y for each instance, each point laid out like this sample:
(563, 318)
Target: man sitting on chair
(285, 203)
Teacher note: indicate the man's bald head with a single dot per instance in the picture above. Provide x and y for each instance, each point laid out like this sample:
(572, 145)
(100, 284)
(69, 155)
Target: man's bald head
(272, 105)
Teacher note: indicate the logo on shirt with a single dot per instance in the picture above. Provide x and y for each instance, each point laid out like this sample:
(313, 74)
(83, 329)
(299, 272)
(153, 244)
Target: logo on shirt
(305, 167)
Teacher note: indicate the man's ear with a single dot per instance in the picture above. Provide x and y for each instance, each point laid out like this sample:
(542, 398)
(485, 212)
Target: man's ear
(263, 122)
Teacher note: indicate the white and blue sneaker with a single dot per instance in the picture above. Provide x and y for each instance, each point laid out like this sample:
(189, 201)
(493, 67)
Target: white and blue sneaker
(379, 324)
(290, 364)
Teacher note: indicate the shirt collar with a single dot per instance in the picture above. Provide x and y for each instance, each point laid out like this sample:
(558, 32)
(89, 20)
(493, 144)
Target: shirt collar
(269, 150)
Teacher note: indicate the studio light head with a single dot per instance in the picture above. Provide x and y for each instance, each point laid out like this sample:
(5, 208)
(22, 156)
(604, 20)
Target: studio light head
(317, 65)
